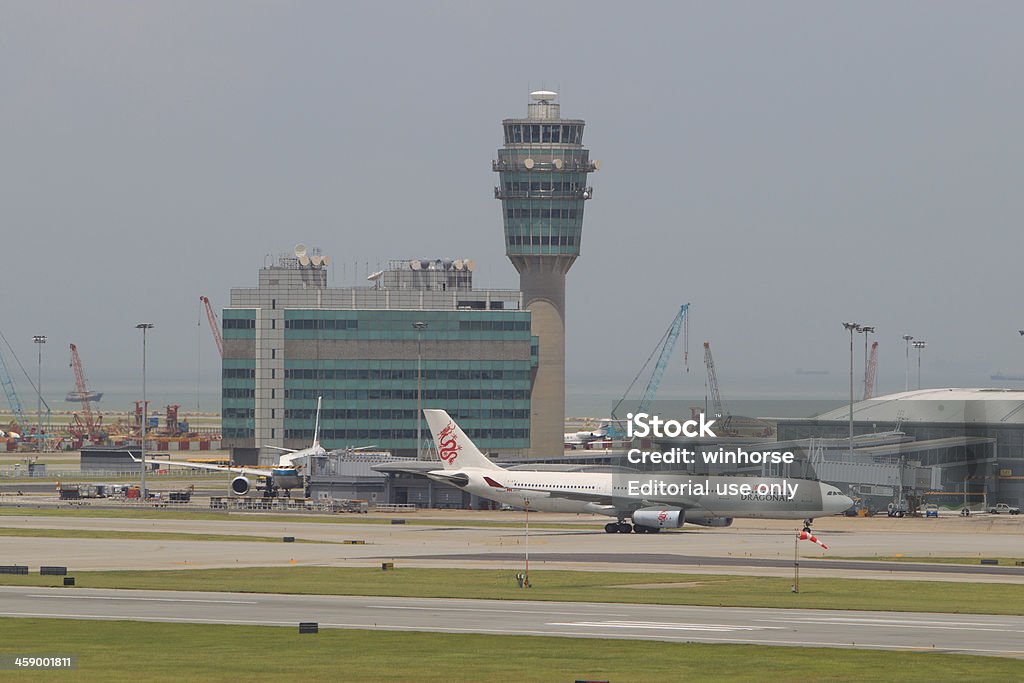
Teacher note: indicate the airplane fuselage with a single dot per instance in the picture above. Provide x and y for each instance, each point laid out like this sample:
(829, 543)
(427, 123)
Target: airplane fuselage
(707, 497)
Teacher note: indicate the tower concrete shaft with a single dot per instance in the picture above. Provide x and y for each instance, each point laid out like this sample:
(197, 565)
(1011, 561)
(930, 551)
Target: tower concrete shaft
(543, 170)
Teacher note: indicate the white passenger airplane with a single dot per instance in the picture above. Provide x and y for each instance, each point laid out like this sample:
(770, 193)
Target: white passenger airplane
(618, 494)
(286, 475)
(583, 437)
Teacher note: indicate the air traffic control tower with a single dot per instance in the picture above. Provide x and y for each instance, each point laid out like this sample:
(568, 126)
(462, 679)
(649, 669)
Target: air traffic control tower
(543, 171)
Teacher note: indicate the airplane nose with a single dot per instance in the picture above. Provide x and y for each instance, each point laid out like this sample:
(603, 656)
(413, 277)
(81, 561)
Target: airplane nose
(845, 503)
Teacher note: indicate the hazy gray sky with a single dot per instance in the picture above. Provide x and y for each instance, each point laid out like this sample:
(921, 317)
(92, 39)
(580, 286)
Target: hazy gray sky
(782, 166)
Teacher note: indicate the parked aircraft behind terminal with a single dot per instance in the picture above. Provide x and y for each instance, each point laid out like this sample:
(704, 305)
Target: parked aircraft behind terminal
(583, 437)
(619, 495)
(286, 475)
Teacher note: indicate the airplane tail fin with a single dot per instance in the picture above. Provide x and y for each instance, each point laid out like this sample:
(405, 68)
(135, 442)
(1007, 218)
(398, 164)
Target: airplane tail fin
(454, 447)
(316, 429)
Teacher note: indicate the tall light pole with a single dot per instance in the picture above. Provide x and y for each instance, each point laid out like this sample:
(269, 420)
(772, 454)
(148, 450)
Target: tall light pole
(866, 329)
(919, 345)
(39, 340)
(906, 383)
(852, 327)
(419, 326)
(145, 406)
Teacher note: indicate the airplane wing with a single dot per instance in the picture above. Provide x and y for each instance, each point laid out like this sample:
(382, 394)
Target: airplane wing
(405, 466)
(206, 466)
(281, 448)
(346, 451)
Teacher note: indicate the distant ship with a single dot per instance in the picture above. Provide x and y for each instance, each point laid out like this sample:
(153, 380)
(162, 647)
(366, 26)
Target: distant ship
(1006, 378)
(91, 396)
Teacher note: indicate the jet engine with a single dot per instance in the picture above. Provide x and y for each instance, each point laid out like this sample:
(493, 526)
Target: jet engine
(286, 478)
(240, 486)
(659, 519)
(712, 521)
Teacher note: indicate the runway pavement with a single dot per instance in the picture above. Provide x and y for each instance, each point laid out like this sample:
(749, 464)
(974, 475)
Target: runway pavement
(970, 634)
(758, 547)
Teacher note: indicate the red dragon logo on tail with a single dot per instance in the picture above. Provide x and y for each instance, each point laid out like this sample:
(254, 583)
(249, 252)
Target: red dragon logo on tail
(447, 445)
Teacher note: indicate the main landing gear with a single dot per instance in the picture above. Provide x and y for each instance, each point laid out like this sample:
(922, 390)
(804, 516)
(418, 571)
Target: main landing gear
(624, 527)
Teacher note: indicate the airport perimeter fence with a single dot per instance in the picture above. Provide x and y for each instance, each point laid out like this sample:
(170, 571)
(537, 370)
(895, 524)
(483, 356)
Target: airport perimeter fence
(119, 501)
(12, 472)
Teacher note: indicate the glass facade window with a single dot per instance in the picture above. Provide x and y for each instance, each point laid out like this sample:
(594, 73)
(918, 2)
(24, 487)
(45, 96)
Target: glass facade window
(548, 184)
(239, 323)
(238, 396)
(520, 133)
(406, 373)
(542, 240)
(540, 212)
(320, 324)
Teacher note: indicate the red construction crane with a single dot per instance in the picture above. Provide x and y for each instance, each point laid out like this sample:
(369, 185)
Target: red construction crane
(214, 325)
(869, 375)
(91, 428)
(171, 428)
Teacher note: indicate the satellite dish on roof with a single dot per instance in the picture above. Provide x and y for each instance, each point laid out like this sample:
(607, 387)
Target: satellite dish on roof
(424, 264)
(457, 264)
(470, 264)
(597, 164)
(300, 250)
(528, 162)
(375, 276)
(324, 261)
(543, 95)
(316, 260)
(447, 264)
(303, 260)
(414, 264)
(557, 163)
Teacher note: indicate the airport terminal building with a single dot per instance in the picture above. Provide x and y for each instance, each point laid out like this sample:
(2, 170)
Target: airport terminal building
(946, 446)
(419, 330)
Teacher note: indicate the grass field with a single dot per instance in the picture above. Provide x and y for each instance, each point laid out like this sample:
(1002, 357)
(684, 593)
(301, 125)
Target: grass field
(141, 535)
(132, 651)
(581, 586)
